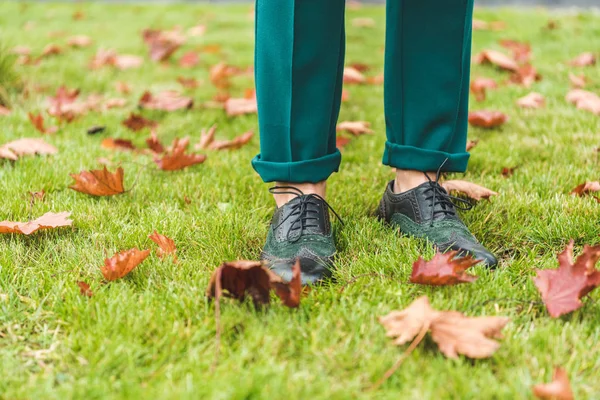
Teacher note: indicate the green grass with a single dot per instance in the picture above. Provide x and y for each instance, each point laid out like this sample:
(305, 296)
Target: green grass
(152, 334)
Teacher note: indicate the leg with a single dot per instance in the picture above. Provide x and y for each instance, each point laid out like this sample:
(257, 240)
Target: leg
(299, 75)
(428, 46)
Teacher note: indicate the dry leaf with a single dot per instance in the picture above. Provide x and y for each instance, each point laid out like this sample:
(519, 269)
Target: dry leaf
(363, 22)
(235, 107)
(508, 172)
(480, 85)
(521, 51)
(471, 144)
(176, 158)
(453, 332)
(238, 279)
(487, 119)
(162, 44)
(532, 100)
(123, 87)
(136, 122)
(155, 144)
(123, 263)
(577, 81)
(558, 389)
(289, 293)
(443, 269)
(584, 100)
(127, 61)
(84, 289)
(79, 41)
(51, 49)
(189, 59)
(587, 188)
(496, 58)
(38, 123)
(99, 182)
(188, 83)
(169, 100)
(469, 189)
(46, 221)
(26, 146)
(583, 60)
(235, 143)
(166, 245)
(207, 137)
(355, 127)
(352, 75)
(119, 144)
(562, 289)
(341, 142)
(525, 76)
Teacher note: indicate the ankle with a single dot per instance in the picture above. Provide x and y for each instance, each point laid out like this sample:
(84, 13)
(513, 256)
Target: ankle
(318, 188)
(409, 179)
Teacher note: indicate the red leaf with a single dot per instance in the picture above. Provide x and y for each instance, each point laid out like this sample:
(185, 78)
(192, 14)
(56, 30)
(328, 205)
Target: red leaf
(525, 76)
(38, 123)
(562, 288)
(487, 119)
(123, 263)
(166, 245)
(137, 122)
(189, 59)
(79, 41)
(235, 143)
(166, 101)
(480, 85)
(26, 146)
(443, 269)
(341, 142)
(84, 289)
(577, 81)
(584, 100)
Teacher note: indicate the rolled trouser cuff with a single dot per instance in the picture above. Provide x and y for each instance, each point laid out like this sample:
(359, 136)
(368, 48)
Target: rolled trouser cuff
(307, 171)
(414, 158)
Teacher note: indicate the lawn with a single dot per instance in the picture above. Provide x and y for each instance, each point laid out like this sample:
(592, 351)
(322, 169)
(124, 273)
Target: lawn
(152, 334)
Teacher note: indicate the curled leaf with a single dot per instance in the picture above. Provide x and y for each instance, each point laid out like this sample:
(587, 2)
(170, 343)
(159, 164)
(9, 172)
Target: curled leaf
(123, 263)
(47, 221)
(443, 269)
(166, 245)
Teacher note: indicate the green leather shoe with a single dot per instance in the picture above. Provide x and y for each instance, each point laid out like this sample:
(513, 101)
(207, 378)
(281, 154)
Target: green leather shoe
(428, 212)
(300, 229)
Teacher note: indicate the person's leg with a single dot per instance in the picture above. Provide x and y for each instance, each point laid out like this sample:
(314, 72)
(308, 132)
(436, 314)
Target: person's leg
(299, 62)
(428, 54)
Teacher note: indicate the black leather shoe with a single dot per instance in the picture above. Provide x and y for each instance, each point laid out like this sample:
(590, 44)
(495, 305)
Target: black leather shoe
(300, 229)
(428, 212)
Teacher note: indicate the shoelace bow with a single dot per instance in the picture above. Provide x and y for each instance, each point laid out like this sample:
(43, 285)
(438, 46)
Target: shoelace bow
(300, 210)
(439, 196)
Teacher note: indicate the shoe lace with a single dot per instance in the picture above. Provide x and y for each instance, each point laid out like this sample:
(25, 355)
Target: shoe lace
(304, 217)
(439, 197)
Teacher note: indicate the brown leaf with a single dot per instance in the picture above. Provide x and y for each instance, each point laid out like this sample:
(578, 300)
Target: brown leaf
(155, 144)
(525, 76)
(558, 389)
(84, 289)
(496, 58)
(207, 137)
(469, 189)
(453, 332)
(168, 100)
(577, 81)
(188, 83)
(79, 41)
(471, 144)
(99, 182)
(111, 58)
(4, 111)
(289, 293)
(583, 60)
(116, 102)
(238, 279)
(352, 75)
(189, 59)
(176, 158)
(521, 51)
(562, 289)
(38, 123)
(584, 100)
(162, 44)
(235, 107)
(136, 122)
(122, 87)
(46, 221)
(127, 61)
(118, 144)
(443, 269)
(354, 127)
(480, 85)
(586, 188)
(235, 143)
(165, 245)
(51, 49)
(487, 119)
(220, 73)
(26, 146)
(123, 263)
(532, 100)
(341, 142)
(508, 172)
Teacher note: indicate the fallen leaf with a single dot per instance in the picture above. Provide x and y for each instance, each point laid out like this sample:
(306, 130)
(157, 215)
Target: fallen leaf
(471, 144)
(188, 83)
(38, 123)
(584, 100)
(4, 111)
(115, 102)
(51, 49)
(79, 41)
(220, 73)
(37, 196)
(479, 25)
(47, 221)
(111, 58)
(480, 85)
(352, 75)
(99, 182)
(341, 141)
(119, 144)
(26, 146)
(289, 293)
(21, 50)
(508, 172)
(496, 58)
(521, 51)
(443, 269)
(169, 100)
(127, 61)
(583, 60)
(586, 188)
(376, 80)
(487, 119)
(78, 15)
(166, 245)
(235, 143)
(355, 127)
(189, 59)
(84, 289)
(207, 137)
(552, 25)
(453, 332)
(532, 100)
(197, 30)
(136, 122)
(577, 81)
(562, 289)
(122, 87)
(123, 263)
(363, 22)
(526, 75)
(162, 44)
(155, 144)
(471, 190)
(238, 279)
(235, 107)
(176, 158)
(558, 389)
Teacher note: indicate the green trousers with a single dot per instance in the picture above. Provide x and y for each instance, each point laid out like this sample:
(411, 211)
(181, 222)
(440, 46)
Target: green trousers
(299, 61)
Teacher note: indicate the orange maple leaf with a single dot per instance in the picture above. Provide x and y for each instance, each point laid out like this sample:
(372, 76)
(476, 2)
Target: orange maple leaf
(123, 263)
(99, 182)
